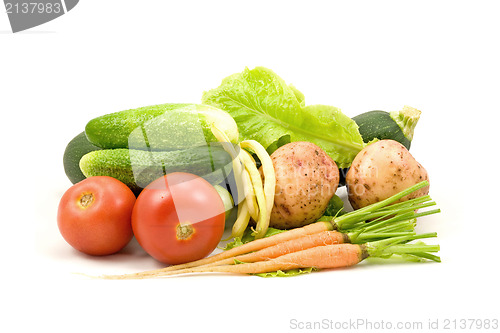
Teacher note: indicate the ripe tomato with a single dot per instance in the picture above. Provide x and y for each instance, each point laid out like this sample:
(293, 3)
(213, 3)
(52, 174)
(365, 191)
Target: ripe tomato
(94, 215)
(178, 218)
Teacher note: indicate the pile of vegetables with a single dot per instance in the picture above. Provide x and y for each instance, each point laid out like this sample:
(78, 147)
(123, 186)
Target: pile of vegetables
(255, 158)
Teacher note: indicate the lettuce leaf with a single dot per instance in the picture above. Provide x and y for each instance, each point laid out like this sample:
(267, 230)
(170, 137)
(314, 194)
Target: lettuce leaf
(280, 273)
(335, 207)
(266, 109)
(247, 237)
(288, 273)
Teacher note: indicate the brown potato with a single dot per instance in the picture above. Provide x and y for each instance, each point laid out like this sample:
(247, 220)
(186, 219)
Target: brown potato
(306, 180)
(381, 170)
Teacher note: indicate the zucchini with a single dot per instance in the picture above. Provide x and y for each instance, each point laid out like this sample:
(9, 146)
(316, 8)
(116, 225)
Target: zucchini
(74, 151)
(138, 168)
(395, 125)
(160, 127)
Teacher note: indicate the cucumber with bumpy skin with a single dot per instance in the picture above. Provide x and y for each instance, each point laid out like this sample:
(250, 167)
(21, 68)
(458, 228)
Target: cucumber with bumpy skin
(395, 125)
(112, 130)
(138, 168)
(74, 151)
(160, 127)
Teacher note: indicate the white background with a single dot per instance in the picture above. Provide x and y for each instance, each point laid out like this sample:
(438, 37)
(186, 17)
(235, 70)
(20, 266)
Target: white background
(105, 56)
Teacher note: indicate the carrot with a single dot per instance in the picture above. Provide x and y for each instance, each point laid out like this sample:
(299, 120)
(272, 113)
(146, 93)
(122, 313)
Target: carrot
(325, 257)
(254, 245)
(302, 243)
(354, 221)
(328, 237)
(305, 242)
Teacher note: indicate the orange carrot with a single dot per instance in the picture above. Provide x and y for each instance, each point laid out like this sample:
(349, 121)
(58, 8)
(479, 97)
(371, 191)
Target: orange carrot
(252, 246)
(290, 246)
(325, 256)
(305, 242)
(319, 257)
(328, 237)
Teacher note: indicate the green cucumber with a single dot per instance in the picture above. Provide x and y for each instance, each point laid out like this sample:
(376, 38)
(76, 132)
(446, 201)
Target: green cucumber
(74, 151)
(396, 125)
(138, 168)
(160, 127)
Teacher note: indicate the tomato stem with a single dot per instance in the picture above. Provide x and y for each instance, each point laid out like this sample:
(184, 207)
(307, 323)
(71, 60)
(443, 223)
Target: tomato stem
(86, 200)
(184, 231)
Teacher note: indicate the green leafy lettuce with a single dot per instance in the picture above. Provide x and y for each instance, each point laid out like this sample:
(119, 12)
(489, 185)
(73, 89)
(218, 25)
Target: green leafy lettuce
(280, 273)
(335, 207)
(288, 273)
(266, 109)
(248, 237)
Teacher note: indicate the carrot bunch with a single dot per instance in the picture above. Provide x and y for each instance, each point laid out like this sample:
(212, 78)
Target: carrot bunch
(379, 230)
(322, 256)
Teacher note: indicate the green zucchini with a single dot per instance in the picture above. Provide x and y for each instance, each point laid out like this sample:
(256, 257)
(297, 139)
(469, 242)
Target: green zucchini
(138, 168)
(160, 127)
(395, 125)
(74, 151)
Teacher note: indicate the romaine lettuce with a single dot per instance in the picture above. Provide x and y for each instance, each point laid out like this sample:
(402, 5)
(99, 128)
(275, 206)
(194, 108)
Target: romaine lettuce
(266, 109)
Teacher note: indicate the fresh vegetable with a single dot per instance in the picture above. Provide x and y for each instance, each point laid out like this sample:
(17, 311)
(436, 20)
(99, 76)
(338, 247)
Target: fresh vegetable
(138, 168)
(281, 173)
(381, 170)
(287, 273)
(377, 213)
(326, 257)
(94, 215)
(160, 127)
(178, 218)
(375, 232)
(306, 180)
(322, 257)
(396, 125)
(242, 181)
(258, 188)
(335, 207)
(269, 187)
(74, 151)
(227, 200)
(250, 203)
(266, 109)
(113, 130)
(258, 197)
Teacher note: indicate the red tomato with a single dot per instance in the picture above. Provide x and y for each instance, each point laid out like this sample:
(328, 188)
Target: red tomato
(178, 218)
(94, 215)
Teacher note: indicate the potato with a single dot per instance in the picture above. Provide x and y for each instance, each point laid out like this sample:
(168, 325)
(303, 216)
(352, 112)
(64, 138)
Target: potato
(306, 180)
(381, 170)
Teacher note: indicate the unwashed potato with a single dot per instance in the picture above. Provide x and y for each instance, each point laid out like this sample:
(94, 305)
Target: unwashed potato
(381, 170)
(306, 180)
